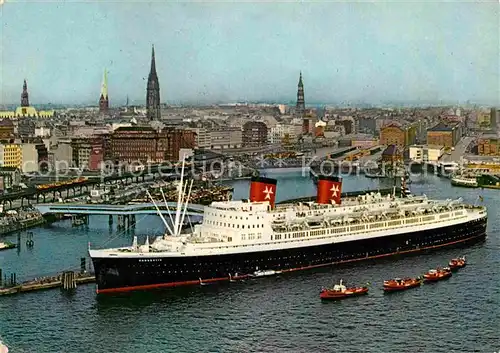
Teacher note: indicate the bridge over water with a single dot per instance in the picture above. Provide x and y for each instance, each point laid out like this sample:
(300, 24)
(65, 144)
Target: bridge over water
(120, 210)
(149, 208)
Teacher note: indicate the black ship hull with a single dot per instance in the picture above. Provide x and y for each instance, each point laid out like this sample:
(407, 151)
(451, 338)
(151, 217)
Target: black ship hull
(127, 274)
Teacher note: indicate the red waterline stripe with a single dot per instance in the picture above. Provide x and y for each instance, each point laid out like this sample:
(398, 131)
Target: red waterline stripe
(211, 280)
(166, 285)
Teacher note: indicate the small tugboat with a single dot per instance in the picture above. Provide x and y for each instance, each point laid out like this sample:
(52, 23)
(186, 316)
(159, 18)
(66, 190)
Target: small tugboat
(455, 264)
(437, 274)
(6, 245)
(339, 291)
(398, 284)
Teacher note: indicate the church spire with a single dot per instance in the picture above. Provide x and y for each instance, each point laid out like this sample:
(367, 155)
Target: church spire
(24, 96)
(104, 99)
(153, 63)
(104, 87)
(153, 91)
(300, 108)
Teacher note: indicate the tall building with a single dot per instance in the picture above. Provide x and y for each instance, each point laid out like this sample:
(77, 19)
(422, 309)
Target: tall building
(254, 134)
(301, 106)
(153, 91)
(24, 96)
(103, 99)
(493, 119)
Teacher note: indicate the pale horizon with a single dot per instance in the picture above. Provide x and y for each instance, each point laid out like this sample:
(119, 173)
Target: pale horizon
(362, 53)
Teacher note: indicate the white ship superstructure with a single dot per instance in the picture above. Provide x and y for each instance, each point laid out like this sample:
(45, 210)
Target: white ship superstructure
(243, 226)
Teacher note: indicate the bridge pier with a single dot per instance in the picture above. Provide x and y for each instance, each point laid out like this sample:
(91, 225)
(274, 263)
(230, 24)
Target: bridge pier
(79, 220)
(124, 221)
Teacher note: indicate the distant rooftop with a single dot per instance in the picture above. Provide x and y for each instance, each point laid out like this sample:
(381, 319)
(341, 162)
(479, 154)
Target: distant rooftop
(489, 136)
(135, 128)
(444, 127)
(428, 146)
(391, 150)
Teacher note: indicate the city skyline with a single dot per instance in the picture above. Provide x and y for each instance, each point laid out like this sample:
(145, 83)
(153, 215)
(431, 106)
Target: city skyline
(208, 53)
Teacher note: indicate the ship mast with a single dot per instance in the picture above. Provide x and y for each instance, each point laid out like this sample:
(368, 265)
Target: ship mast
(186, 205)
(160, 214)
(168, 209)
(179, 200)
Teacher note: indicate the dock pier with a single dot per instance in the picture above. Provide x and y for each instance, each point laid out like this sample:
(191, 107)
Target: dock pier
(67, 280)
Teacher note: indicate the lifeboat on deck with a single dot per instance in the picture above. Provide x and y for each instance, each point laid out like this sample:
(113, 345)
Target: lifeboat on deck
(437, 274)
(339, 291)
(457, 263)
(398, 284)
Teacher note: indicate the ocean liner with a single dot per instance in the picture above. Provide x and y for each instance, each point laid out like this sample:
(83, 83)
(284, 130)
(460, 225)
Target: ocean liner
(256, 237)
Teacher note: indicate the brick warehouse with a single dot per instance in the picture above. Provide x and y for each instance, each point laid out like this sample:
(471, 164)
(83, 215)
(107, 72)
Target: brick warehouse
(396, 134)
(444, 134)
(488, 145)
(145, 144)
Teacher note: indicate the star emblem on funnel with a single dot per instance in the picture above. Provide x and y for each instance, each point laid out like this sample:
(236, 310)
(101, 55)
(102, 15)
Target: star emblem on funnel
(268, 191)
(334, 190)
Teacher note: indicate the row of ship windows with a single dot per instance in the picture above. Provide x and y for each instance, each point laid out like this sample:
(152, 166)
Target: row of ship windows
(251, 236)
(232, 225)
(221, 215)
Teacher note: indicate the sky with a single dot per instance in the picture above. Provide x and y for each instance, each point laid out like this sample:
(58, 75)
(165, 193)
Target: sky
(208, 52)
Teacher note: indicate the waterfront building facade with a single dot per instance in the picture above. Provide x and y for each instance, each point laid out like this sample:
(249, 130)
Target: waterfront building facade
(399, 135)
(488, 145)
(254, 134)
(421, 153)
(284, 133)
(444, 134)
(224, 138)
(147, 145)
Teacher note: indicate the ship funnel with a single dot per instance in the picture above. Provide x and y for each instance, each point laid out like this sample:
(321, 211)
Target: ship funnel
(263, 189)
(329, 189)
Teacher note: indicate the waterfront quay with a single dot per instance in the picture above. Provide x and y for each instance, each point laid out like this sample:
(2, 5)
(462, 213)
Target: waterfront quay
(21, 219)
(67, 280)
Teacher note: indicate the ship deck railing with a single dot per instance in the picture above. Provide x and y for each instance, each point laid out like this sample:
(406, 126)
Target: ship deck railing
(380, 218)
(354, 202)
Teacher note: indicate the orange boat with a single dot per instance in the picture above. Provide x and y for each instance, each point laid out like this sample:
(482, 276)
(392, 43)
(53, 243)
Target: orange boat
(398, 284)
(455, 264)
(339, 291)
(437, 274)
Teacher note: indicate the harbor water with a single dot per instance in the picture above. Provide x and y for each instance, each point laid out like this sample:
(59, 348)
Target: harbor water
(275, 314)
